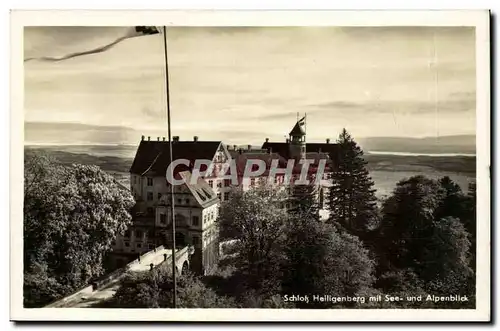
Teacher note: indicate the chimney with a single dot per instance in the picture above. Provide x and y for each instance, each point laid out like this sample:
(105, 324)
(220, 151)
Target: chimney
(142, 138)
(158, 138)
(249, 147)
(241, 151)
(149, 138)
(267, 140)
(163, 138)
(327, 140)
(287, 140)
(195, 138)
(175, 139)
(235, 147)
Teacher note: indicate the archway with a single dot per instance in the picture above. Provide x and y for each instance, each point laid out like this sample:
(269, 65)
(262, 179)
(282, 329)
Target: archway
(185, 267)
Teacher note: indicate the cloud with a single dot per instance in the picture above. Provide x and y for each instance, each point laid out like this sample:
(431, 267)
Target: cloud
(451, 106)
(247, 79)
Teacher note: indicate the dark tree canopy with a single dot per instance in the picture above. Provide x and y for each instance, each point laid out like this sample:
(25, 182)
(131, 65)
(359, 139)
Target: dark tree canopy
(420, 232)
(320, 259)
(71, 216)
(154, 289)
(352, 200)
(257, 219)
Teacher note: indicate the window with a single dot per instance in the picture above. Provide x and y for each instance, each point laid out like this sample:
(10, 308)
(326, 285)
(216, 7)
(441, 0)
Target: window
(163, 219)
(179, 201)
(227, 182)
(159, 196)
(150, 181)
(226, 195)
(139, 245)
(219, 184)
(127, 244)
(205, 219)
(211, 183)
(127, 234)
(218, 195)
(187, 201)
(196, 221)
(150, 196)
(138, 234)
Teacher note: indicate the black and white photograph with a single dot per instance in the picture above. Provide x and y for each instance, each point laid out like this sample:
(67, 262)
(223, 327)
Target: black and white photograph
(337, 171)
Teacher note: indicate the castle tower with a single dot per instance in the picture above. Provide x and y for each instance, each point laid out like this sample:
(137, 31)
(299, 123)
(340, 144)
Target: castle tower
(297, 141)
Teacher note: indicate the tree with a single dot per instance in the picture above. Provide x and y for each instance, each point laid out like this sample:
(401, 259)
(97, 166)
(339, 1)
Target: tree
(71, 216)
(469, 221)
(352, 200)
(257, 219)
(412, 238)
(154, 289)
(308, 260)
(351, 270)
(445, 268)
(452, 203)
(320, 259)
(303, 201)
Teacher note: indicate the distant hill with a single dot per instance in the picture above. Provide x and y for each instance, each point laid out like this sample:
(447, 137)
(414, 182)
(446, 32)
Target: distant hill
(444, 144)
(85, 135)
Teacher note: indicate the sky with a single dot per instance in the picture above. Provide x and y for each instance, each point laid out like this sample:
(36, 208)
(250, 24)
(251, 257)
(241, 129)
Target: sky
(241, 85)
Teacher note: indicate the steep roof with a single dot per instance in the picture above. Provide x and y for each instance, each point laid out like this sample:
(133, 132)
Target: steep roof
(319, 148)
(242, 159)
(200, 190)
(154, 155)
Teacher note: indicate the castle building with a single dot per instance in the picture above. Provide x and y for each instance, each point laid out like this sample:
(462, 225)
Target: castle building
(197, 204)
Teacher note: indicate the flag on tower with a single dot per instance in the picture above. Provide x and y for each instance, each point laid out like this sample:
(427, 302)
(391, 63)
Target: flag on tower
(132, 32)
(302, 121)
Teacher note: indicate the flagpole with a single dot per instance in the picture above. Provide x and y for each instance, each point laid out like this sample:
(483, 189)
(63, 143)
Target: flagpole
(305, 133)
(172, 200)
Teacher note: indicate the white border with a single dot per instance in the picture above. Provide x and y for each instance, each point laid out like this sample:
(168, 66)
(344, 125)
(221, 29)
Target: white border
(479, 19)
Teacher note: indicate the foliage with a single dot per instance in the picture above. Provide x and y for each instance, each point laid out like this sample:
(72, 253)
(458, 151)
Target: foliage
(469, 221)
(352, 200)
(351, 269)
(303, 201)
(71, 216)
(446, 268)
(257, 219)
(320, 259)
(420, 232)
(154, 289)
